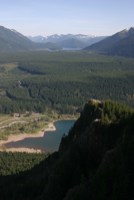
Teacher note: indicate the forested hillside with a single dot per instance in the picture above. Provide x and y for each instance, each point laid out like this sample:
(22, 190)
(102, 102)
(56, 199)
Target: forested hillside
(13, 41)
(14, 163)
(121, 44)
(95, 161)
(62, 81)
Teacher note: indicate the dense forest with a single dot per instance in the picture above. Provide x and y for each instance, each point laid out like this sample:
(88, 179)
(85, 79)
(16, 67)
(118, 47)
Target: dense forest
(62, 81)
(95, 161)
(14, 163)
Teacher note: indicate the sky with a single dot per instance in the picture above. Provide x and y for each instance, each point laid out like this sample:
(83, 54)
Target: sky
(47, 17)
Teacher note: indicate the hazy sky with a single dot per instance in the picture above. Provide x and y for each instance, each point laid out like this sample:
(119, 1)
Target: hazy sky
(46, 17)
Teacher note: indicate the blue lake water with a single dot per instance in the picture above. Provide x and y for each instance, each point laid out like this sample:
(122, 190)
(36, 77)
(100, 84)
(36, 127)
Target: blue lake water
(49, 142)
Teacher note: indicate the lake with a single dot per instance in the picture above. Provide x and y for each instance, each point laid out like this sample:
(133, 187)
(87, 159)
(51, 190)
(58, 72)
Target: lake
(49, 142)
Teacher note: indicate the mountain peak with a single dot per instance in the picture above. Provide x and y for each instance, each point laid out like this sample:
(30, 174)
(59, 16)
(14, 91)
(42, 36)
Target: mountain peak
(121, 44)
(131, 30)
(11, 40)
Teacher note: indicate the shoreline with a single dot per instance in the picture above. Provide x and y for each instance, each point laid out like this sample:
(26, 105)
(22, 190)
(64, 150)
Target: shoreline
(18, 137)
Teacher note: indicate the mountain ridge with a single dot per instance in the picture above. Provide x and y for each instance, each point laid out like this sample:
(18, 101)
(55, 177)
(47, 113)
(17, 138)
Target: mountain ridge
(121, 44)
(11, 40)
(68, 40)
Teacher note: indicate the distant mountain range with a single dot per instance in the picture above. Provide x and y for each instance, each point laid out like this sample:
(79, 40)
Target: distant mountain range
(68, 41)
(11, 40)
(121, 44)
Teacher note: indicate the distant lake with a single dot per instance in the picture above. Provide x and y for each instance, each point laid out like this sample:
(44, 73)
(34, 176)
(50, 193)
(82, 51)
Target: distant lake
(49, 142)
(72, 49)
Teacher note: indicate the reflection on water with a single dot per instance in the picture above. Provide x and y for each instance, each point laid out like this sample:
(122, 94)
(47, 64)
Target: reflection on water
(49, 142)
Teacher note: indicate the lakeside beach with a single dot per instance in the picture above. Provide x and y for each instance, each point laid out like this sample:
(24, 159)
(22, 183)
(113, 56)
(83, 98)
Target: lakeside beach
(19, 137)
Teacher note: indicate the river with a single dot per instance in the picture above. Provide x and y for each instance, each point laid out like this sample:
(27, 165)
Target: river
(49, 142)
